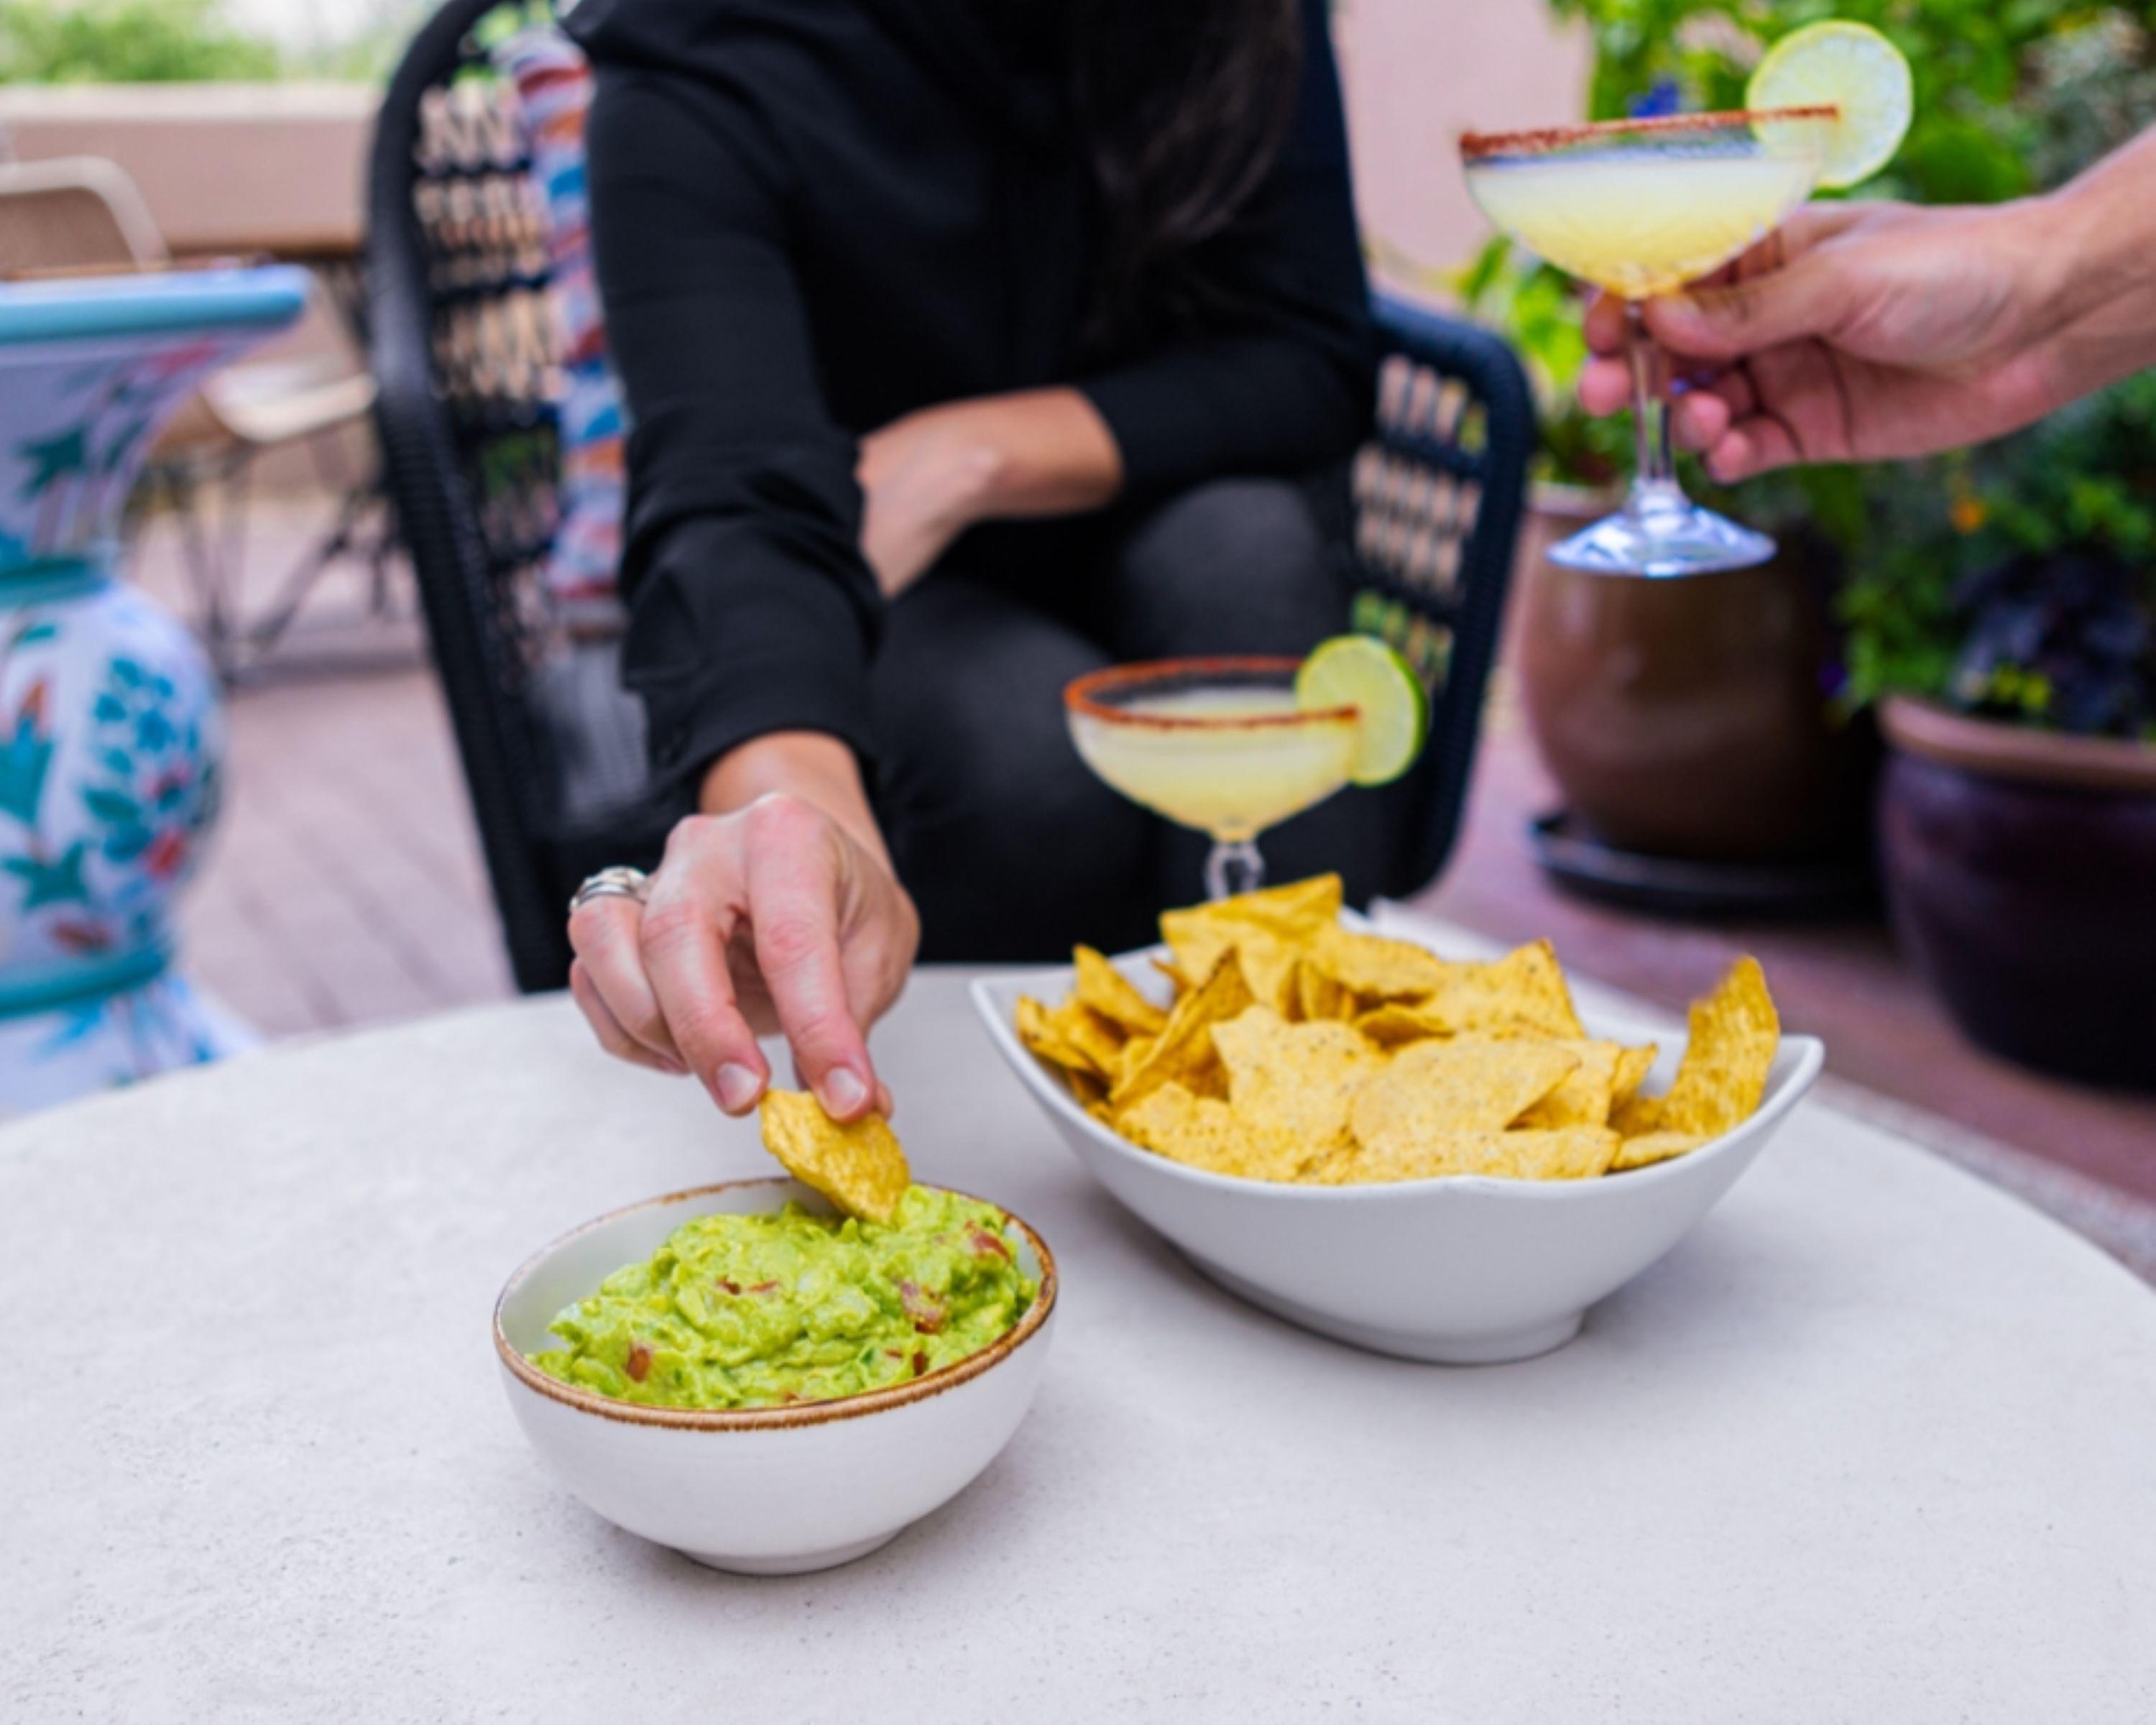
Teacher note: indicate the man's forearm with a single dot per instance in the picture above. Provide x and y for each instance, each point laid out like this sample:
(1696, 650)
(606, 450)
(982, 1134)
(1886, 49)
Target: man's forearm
(2094, 240)
(811, 765)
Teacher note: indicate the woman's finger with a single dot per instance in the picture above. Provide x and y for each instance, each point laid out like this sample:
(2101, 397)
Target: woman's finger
(604, 933)
(794, 882)
(696, 898)
(614, 1040)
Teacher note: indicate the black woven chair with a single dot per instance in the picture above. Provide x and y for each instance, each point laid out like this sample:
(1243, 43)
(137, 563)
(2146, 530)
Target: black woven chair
(463, 354)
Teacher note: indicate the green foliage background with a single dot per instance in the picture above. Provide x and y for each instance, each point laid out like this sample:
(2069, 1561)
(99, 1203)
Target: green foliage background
(173, 41)
(127, 42)
(2012, 97)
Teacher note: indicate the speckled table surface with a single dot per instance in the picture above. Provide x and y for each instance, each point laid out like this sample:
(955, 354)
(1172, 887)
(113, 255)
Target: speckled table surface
(1871, 1445)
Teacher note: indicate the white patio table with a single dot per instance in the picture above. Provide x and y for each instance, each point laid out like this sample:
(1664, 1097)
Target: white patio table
(1873, 1445)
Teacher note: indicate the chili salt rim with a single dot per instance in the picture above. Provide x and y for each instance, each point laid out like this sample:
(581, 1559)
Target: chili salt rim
(785, 1415)
(1078, 695)
(1476, 145)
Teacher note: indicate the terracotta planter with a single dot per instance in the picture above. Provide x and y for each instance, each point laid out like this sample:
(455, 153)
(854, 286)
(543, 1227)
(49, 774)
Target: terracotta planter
(2021, 872)
(1685, 717)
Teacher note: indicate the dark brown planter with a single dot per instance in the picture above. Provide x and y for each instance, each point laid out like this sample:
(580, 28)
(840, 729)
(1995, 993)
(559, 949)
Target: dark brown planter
(1685, 717)
(2020, 873)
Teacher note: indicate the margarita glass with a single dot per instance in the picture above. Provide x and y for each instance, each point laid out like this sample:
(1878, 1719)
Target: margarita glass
(1640, 208)
(1219, 745)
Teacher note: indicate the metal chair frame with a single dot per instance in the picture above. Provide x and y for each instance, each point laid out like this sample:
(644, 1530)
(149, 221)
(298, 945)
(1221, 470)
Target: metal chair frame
(456, 260)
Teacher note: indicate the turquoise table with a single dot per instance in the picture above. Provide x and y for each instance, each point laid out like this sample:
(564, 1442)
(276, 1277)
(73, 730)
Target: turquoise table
(111, 733)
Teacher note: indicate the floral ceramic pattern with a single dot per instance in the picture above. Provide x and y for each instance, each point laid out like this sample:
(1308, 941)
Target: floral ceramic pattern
(109, 774)
(111, 735)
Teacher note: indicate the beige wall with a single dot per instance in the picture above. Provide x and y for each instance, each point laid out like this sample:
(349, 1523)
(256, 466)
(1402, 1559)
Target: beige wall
(224, 167)
(1418, 74)
(244, 167)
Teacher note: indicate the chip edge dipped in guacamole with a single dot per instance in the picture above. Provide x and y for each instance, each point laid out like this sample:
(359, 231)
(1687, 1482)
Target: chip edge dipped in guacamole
(768, 1309)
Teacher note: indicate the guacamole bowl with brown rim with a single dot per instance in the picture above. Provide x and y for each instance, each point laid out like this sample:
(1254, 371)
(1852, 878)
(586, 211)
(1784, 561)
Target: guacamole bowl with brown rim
(763, 1491)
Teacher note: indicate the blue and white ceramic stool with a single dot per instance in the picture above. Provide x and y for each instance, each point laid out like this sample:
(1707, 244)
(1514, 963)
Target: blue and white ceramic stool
(111, 733)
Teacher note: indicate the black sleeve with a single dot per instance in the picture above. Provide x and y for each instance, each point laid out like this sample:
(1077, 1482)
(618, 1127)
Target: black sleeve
(751, 609)
(1290, 385)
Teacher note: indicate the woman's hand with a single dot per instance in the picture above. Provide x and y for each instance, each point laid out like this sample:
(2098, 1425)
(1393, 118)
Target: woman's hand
(924, 480)
(927, 477)
(777, 912)
(1867, 331)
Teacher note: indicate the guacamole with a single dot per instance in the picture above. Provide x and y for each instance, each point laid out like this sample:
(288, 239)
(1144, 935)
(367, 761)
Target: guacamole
(756, 1310)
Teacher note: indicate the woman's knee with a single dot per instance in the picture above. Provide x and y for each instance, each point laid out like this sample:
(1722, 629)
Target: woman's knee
(1011, 847)
(1235, 566)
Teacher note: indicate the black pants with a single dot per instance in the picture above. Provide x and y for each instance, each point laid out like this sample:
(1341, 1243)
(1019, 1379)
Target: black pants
(1010, 846)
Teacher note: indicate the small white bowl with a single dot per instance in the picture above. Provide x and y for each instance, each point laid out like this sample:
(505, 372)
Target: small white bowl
(763, 1491)
(1465, 1270)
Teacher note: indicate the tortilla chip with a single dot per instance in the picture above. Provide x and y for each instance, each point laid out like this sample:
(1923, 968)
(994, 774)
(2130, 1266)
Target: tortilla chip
(860, 1168)
(1183, 1050)
(1633, 1067)
(1522, 994)
(1108, 992)
(1294, 1081)
(1636, 1116)
(1177, 978)
(1579, 1153)
(1037, 1030)
(1204, 1132)
(1375, 967)
(1734, 1034)
(1099, 1038)
(1268, 961)
(1653, 1146)
(1295, 911)
(1465, 1084)
(1584, 1098)
(1394, 1025)
(1318, 998)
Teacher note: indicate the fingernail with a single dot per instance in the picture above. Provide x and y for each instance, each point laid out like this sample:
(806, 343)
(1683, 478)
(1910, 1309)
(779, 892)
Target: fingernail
(736, 1087)
(843, 1090)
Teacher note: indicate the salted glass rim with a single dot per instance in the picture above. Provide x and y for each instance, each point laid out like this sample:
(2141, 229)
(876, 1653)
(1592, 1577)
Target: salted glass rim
(1083, 694)
(1537, 140)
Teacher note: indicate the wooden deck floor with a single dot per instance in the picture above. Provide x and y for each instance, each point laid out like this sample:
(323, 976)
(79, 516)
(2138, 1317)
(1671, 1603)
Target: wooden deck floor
(346, 888)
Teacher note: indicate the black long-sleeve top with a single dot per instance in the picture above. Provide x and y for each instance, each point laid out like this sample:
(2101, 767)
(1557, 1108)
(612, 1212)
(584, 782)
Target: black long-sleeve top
(812, 217)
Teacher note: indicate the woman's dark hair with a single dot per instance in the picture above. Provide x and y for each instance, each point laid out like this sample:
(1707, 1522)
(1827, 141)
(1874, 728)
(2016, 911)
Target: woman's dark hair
(1185, 103)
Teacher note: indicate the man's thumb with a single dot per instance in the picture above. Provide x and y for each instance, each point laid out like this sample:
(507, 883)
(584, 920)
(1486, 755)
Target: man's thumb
(1726, 322)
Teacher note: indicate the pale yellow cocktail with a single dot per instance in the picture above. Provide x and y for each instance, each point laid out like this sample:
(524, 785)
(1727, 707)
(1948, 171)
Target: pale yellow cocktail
(1236, 772)
(1641, 207)
(1221, 745)
(1640, 223)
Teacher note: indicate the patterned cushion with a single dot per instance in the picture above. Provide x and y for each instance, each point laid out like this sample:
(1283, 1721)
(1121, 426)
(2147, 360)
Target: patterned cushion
(554, 89)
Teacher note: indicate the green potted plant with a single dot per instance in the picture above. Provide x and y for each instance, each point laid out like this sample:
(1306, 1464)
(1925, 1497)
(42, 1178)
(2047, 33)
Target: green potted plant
(2004, 620)
(2012, 647)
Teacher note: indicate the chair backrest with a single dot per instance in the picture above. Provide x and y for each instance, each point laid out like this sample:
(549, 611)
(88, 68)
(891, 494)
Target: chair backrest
(73, 213)
(467, 373)
(1437, 495)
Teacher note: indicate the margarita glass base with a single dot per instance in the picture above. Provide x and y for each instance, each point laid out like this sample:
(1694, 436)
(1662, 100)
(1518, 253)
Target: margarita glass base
(1662, 532)
(1233, 868)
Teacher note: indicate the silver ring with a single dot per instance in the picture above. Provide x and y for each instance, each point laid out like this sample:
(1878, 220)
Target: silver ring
(612, 883)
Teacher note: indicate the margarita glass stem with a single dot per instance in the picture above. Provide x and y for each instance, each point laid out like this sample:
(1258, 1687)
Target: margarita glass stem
(1655, 494)
(1233, 869)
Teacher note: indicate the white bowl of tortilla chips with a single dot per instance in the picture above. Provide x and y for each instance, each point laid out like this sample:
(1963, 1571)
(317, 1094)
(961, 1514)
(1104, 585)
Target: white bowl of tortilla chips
(1431, 1158)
